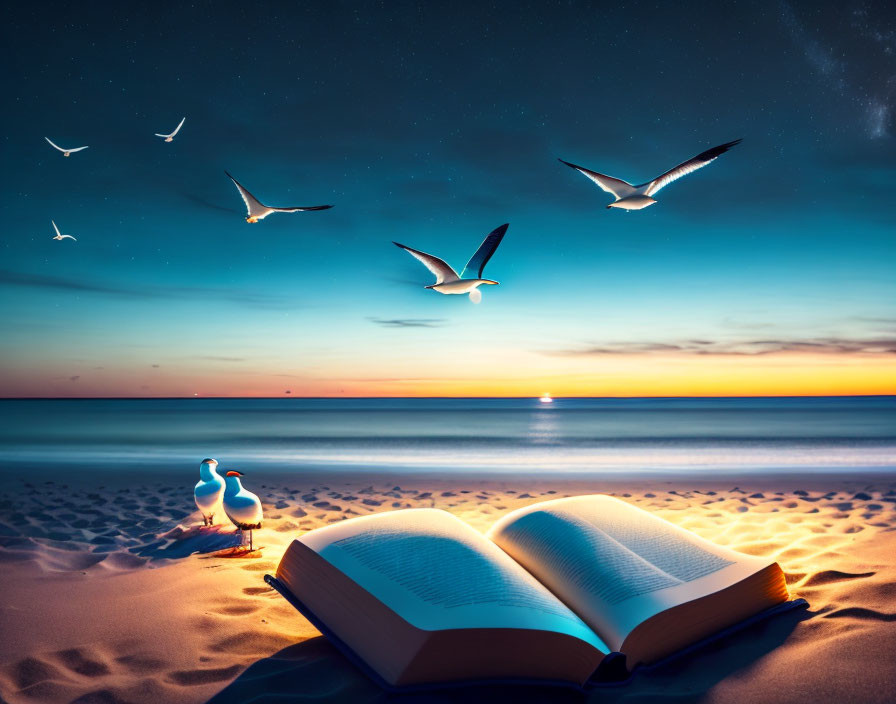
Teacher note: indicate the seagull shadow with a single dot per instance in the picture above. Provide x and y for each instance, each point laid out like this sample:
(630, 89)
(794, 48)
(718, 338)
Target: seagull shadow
(236, 552)
(180, 542)
(314, 670)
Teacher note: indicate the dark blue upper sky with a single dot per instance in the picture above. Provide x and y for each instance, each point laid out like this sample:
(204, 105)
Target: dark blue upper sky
(431, 124)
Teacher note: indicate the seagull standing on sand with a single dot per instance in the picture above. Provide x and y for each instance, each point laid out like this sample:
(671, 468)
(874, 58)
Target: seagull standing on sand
(447, 280)
(209, 491)
(242, 507)
(170, 137)
(629, 197)
(65, 152)
(59, 235)
(256, 210)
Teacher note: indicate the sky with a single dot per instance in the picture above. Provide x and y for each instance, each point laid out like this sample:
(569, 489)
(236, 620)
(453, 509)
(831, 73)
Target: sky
(769, 272)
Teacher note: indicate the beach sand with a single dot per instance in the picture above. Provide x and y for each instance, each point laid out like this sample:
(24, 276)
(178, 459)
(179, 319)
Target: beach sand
(110, 592)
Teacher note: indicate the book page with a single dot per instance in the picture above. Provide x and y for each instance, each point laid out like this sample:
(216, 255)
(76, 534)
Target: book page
(615, 564)
(437, 573)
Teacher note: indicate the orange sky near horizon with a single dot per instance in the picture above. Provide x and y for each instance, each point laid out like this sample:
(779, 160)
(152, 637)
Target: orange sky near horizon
(521, 375)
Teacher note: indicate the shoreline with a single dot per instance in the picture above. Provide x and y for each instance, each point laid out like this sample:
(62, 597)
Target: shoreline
(83, 473)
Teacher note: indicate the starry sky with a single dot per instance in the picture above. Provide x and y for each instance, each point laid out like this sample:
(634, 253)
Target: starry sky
(771, 271)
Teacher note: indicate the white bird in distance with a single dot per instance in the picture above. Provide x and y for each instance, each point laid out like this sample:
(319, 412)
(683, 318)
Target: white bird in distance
(256, 210)
(65, 152)
(59, 235)
(170, 137)
(447, 280)
(630, 197)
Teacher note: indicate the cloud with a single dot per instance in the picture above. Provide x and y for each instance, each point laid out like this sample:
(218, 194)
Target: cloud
(62, 283)
(155, 366)
(13, 278)
(74, 378)
(409, 322)
(749, 348)
(216, 358)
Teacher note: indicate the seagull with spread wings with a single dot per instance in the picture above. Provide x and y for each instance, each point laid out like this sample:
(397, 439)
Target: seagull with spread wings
(447, 280)
(60, 236)
(256, 210)
(65, 152)
(170, 137)
(630, 197)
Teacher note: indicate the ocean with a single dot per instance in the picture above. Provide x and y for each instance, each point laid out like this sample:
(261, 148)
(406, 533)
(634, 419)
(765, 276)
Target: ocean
(480, 435)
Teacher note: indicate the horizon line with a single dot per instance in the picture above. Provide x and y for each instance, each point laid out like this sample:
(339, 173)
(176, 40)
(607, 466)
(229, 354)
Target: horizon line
(298, 396)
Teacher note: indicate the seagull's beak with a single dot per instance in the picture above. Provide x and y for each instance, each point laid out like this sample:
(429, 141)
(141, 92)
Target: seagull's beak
(251, 219)
(609, 206)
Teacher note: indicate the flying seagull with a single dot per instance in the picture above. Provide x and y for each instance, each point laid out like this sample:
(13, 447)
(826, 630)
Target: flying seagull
(447, 280)
(209, 491)
(170, 137)
(59, 235)
(242, 507)
(65, 152)
(630, 197)
(256, 210)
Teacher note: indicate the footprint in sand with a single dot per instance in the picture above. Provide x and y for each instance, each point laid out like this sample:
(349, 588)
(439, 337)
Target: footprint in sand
(286, 527)
(30, 672)
(140, 664)
(123, 561)
(237, 609)
(829, 576)
(260, 567)
(187, 678)
(861, 613)
(255, 591)
(793, 577)
(79, 660)
(250, 643)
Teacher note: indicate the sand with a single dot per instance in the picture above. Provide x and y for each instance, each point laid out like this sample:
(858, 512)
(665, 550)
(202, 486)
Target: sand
(112, 593)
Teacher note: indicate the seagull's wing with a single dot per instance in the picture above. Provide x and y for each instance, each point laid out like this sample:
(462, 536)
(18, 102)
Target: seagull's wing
(160, 135)
(442, 271)
(178, 128)
(54, 145)
(616, 187)
(683, 169)
(486, 250)
(56, 228)
(302, 208)
(69, 237)
(254, 207)
(76, 149)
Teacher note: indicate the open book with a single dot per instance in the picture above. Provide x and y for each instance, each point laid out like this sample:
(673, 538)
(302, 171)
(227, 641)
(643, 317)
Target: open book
(549, 593)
